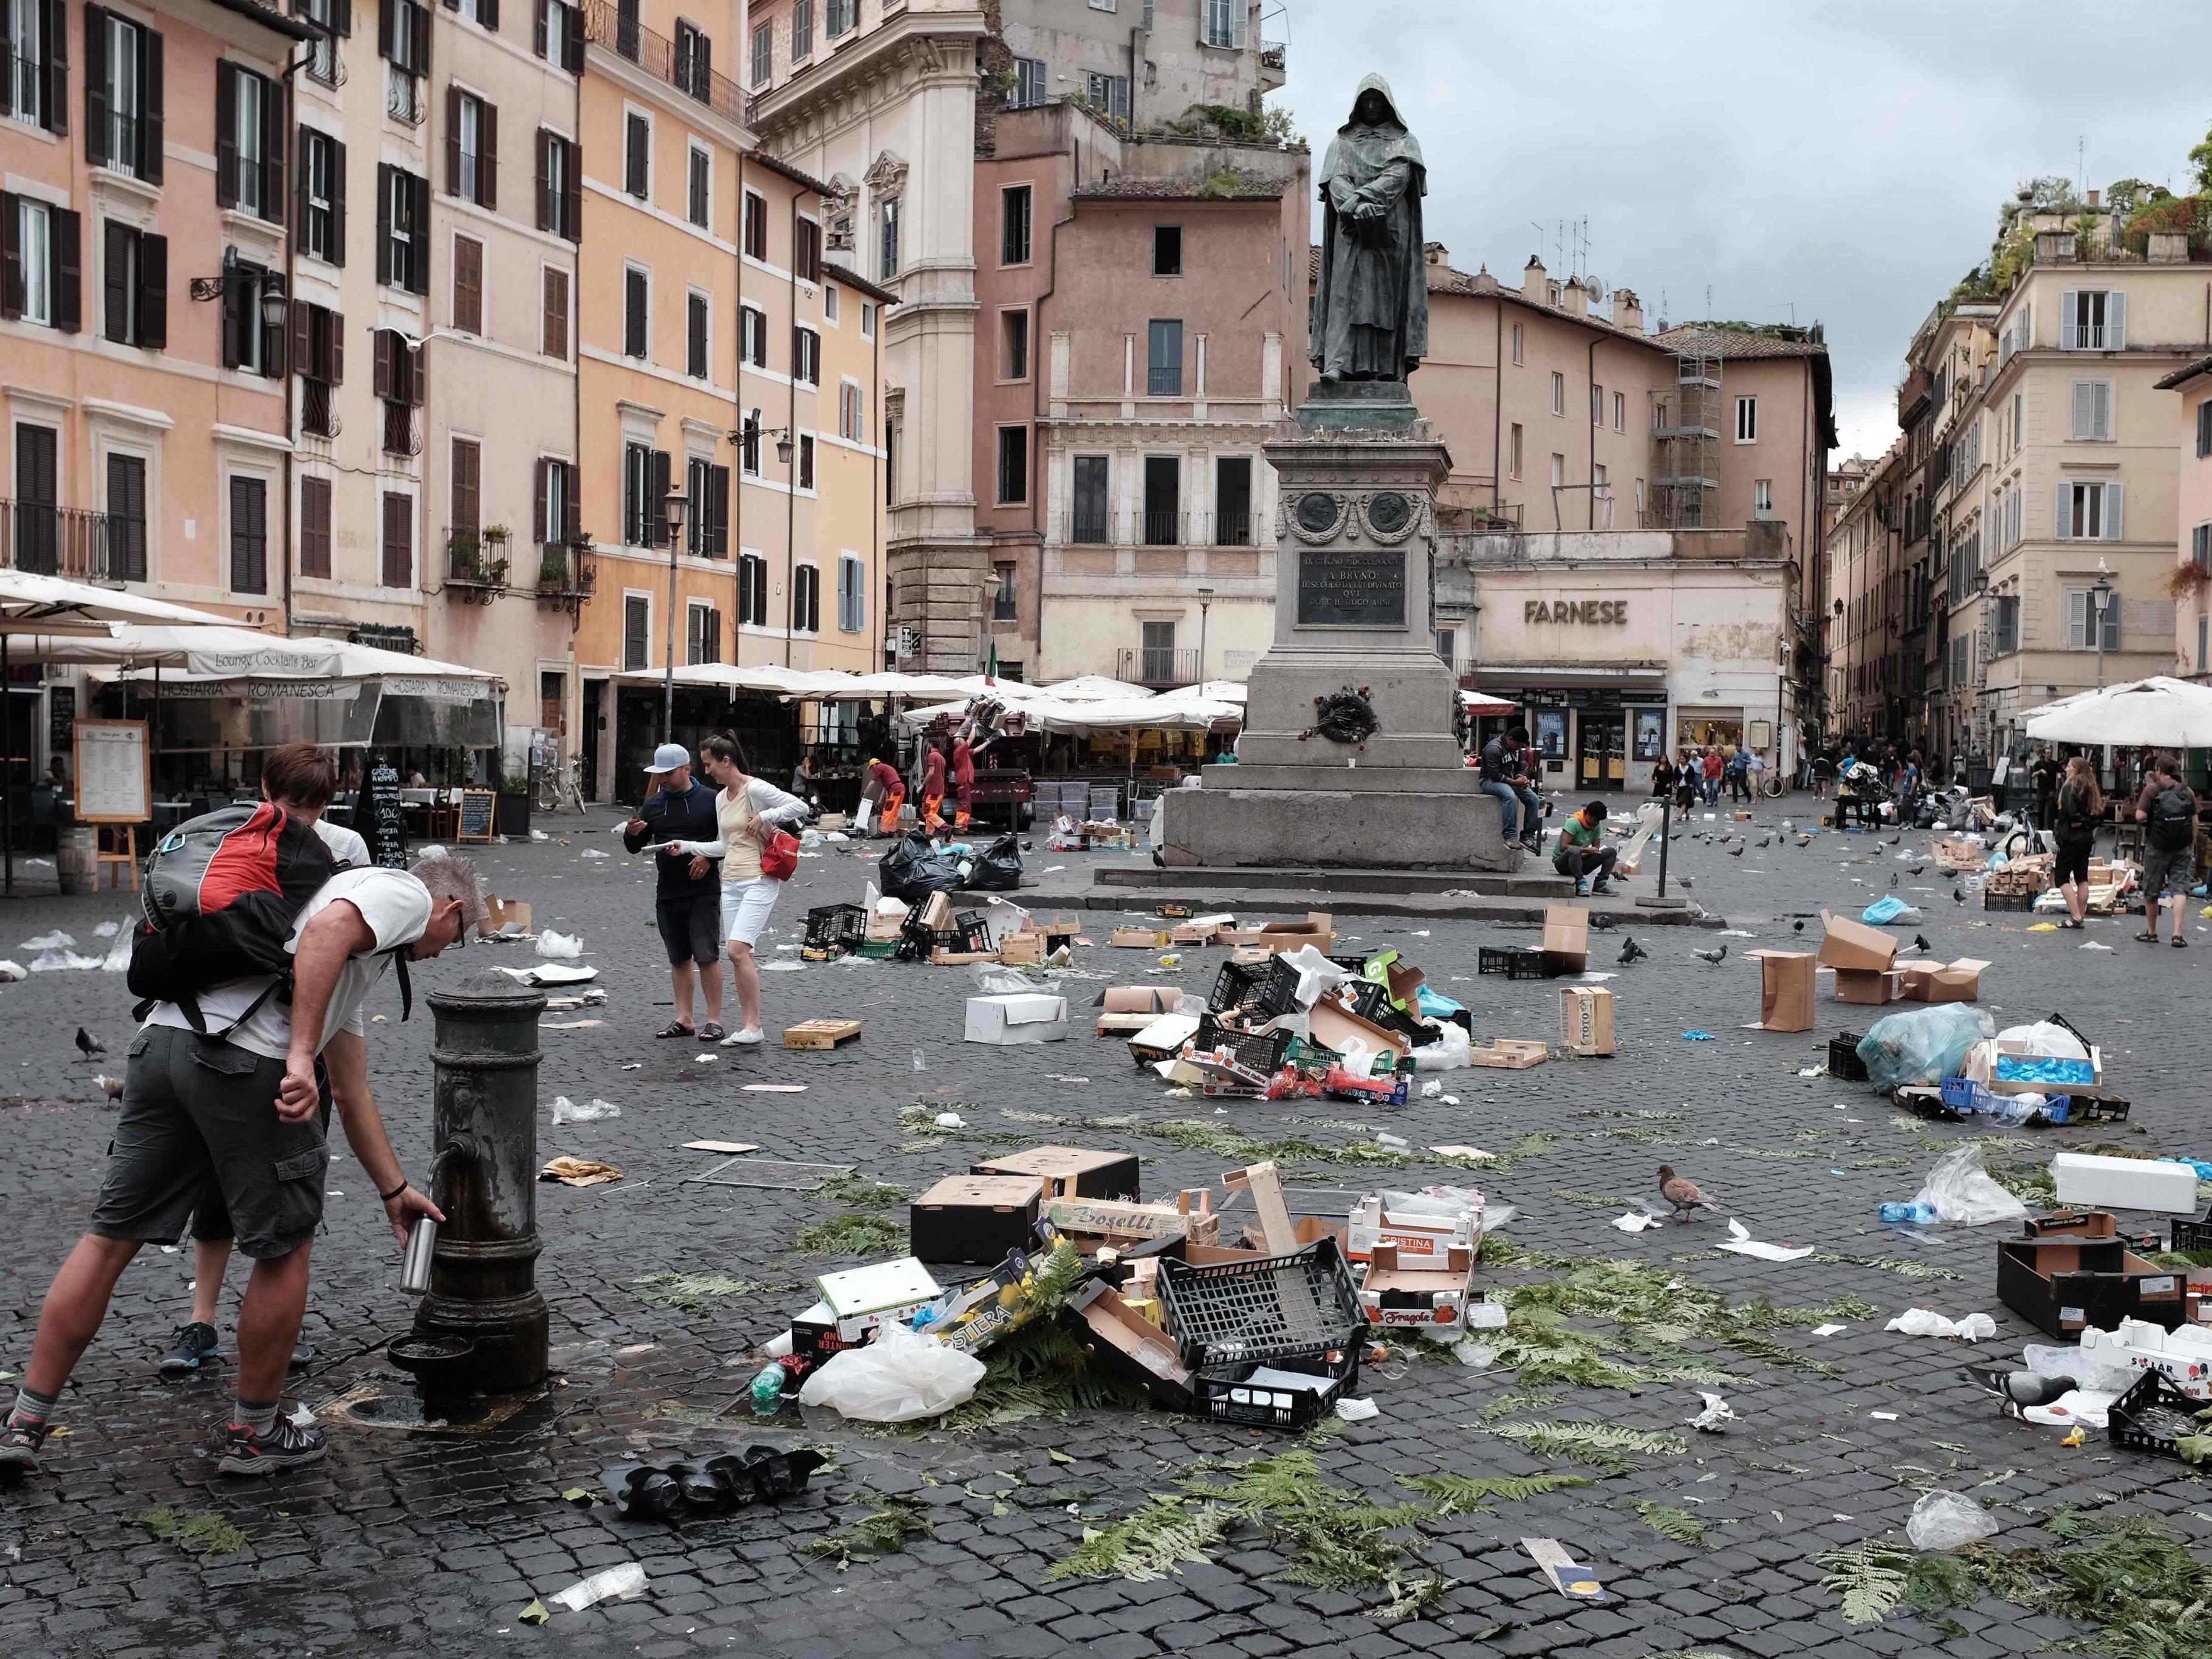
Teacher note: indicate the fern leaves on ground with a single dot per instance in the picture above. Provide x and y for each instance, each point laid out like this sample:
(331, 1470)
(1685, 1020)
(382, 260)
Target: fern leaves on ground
(1460, 1494)
(1152, 1543)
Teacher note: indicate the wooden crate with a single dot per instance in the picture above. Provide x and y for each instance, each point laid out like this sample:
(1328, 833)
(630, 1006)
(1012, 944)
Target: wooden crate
(821, 1033)
(1511, 1053)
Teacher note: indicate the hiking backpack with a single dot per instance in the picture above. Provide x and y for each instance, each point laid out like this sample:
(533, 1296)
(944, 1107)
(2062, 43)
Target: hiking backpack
(2173, 819)
(222, 893)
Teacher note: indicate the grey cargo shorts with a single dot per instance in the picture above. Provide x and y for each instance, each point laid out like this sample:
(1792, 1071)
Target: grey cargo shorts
(200, 1115)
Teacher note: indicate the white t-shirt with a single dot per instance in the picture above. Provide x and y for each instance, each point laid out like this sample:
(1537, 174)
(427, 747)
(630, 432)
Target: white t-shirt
(396, 905)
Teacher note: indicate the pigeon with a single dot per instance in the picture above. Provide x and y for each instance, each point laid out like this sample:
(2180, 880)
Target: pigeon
(1796, 926)
(111, 1087)
(1958, 896)
(89, 1045)
(1915, 869)
(1630, 951)
(1683, 1194)
(2020, 1388)
(1765, 842)
(1713, 957)
(1896, 838)
(1736, 852)
(1892, 878)
(1920, 943)
(1804, 841)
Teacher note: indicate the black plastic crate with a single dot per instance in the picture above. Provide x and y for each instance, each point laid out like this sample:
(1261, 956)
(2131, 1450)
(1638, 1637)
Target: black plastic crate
(2192, 1235)
(2151, 1415)
(1272, 1308)
(1263, 1052)
(1237, 983)
(969, 934)
(1514, 961)
(836, 927)
(1844, 1062)
(2008, 901)
(1227, 1394)
(1371, 1002)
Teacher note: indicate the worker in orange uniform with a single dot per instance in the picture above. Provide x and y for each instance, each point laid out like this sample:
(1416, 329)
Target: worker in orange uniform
(890, 795)
(964, 783)
(932, 788)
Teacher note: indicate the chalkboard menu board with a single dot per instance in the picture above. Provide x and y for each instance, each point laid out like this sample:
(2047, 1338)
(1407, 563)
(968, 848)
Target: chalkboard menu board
(476, 806)
(61, 717)
(1350, 585)
(380, 824)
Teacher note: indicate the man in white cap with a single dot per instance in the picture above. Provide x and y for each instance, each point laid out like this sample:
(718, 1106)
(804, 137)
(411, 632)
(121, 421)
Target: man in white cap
(688, 900)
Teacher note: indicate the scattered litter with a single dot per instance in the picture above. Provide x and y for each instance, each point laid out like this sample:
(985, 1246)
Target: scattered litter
(1573, 1580)
(1883, 1417)
(1926, 1322)
(776, 1087)
(617, 1584)
(704, 1059)
(1475, 1152)
(1062, 1077)
(566, 1110)
(1356, 1411)
(579, 1172)
(1699, 1036)
(1958, 1189)
(107, 930)
(568, 1024)
(57, 940)
(55, 962)
(1948, 1520)
(899, 1376)
(951, 1120)
(550, 944)
(782, 967)
(1635, 1222)
(535, 1614)
(732, 1148)
(11, 971)
(2093, 945)
(594, 853)
(1742, 1243)
(1829, 1329)
(1717, 1411)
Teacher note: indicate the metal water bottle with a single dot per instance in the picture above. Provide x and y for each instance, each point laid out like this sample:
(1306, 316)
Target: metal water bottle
(421, 1245)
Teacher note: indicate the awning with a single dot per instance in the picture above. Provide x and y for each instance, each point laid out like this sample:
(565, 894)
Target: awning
(1162, 714)
(2161, 711)
(31, 604)
(1094, 688)
(1536, 677)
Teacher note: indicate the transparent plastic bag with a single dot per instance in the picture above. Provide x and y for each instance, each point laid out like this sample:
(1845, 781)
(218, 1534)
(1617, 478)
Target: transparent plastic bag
(1961, 1191)
(1948, 1520)
(560, 945)
(1922, 1045)
(566, 1110)
(1450, 1051)
(901, 1376)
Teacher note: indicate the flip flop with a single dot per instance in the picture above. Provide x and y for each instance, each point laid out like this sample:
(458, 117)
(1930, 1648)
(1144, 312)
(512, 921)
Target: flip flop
(675, 1028)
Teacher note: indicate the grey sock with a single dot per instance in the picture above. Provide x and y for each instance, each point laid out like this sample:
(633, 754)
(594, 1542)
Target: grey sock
(30, 1408)
(261, 1418)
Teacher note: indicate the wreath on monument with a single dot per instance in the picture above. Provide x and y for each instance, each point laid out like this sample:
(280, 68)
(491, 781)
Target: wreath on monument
(1344, 716)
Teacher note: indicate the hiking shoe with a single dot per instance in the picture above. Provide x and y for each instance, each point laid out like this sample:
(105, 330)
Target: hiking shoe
(195, 1343)
(19, 1450)
(286, 1446)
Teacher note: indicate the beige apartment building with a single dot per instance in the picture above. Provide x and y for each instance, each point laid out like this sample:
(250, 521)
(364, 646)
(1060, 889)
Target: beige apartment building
(2191, 584)
(1862, 600)
(1957, 354)
(500, 393)
(1140, 61)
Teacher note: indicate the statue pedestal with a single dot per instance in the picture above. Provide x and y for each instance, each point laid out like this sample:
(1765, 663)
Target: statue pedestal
(1357, 470)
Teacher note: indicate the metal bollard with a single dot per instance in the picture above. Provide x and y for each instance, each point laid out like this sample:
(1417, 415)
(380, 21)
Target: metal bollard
(482, 1278)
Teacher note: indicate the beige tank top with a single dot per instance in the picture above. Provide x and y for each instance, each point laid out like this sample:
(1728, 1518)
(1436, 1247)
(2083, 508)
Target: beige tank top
(740, 851)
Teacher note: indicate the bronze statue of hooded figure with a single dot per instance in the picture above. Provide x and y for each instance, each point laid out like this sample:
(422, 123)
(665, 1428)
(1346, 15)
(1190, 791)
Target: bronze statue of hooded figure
(1371, 305)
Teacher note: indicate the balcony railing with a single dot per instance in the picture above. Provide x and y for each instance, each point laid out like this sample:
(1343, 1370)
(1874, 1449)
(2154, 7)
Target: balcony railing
(1156, 666)
(400, 435)
(475, 564)
(319, 411)
(604, 25)
(1232, 527)
(403, 95)
(564, 579)
(75, 542)
(1159, 527)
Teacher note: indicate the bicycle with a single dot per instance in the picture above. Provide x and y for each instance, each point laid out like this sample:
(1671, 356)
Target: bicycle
(560, 789)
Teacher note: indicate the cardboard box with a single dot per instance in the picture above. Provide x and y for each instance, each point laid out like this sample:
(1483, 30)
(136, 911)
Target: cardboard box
(2065, 1284)
(1024, 950)
(2124, 1183)
(1566, 939)
(887, 919)
(1509, 1053)
(861, 1298)
(1070, 1171)
(1318, 930)
(1423, 1239)
(1870, 986)
(1114, 1220)
(1130, 1008)
(1785, 991)
(1019, 1016)
(1404, 1294)
(2015, 1071)
(1332, 1025)
(1138, 938)
(975, 1219)
(814, 1335)
(1939, 982)
(1586, 1020)
(1201, 930)
(937, 912)
(501, 914)
(1131, 1343)
(1057, 931)
(1163, 1038)
(1854, 947)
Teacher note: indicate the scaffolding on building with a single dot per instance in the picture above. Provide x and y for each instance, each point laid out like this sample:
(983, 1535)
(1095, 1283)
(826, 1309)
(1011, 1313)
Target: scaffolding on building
(1686, 490)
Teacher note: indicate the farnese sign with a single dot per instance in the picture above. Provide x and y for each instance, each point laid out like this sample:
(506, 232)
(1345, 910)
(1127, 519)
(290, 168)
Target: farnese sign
(1595, 613)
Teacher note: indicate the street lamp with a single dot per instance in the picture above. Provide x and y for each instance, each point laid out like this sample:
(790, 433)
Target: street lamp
(2100, 597)
(1205, 604)
(672, 509)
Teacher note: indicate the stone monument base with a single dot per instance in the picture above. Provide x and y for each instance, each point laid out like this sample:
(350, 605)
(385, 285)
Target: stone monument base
(1318, 824)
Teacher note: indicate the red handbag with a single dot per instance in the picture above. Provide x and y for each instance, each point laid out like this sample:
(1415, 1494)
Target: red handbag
(779, 854)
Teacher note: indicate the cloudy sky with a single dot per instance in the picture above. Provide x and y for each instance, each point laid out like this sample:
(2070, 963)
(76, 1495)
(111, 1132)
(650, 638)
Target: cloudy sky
(1843, 163)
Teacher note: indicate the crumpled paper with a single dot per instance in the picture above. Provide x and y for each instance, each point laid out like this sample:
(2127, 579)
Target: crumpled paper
(579, 1172)
(1635, 1221)
(1926, 1322)
(1717, 1411)
(1740, 1241)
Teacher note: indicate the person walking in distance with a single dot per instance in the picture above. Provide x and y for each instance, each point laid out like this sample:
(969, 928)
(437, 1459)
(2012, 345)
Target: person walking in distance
(1505, 775)
(964, 783)
(746, 809)
(2166, 809)
(1709, 769)
(239, 1099)
(2078, 807)
(687, 892)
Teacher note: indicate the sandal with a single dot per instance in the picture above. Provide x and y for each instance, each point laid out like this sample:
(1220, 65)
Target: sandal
(710, 1032)
(2146, 938)
(675, 1028)
(2179, 943)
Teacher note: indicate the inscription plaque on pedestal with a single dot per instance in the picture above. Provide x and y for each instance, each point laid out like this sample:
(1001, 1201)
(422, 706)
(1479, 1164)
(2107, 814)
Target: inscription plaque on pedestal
(1353, 587)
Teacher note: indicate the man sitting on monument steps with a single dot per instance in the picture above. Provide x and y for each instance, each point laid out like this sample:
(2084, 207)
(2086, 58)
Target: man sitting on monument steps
(1505, 775)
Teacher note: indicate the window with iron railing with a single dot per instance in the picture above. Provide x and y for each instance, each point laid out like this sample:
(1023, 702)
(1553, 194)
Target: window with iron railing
(1088, 523)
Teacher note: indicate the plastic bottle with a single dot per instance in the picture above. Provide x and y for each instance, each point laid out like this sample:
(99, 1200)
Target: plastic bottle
(1923, 1214)
(767, 1390)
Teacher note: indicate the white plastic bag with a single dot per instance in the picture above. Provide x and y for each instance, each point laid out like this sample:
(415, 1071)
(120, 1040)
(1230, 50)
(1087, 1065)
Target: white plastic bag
(550, 944)
(57, 940)
(901, 1376)
(566, 1110)
(1926, 1322)
(1317, 974)
(119, 954)
(616, 1583)
(1449, 1052)
(1948, 1520)
(1960, 1190)
(1922, 1045)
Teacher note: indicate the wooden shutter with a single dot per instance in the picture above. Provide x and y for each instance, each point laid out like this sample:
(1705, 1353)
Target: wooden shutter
(399, 540)
(555, 341)
(2070, 309)
(572, 37)
(338, 201)
(634, 316)
(718, 511)
(468, 469)
(2065, 528)
(302, 170)
(572, 177)
(2116, 497)
(115, 285)
(380, 376)
(538, 34)
(68, 234)
(249, 535)
(226, 134)
(303, 338)
(656, 506)
(2115, 320)
(635, 142)
(488, 153)
(487, 15)
(572, 504)
(383, 222)
(342, 16)
(2084, 409)
(387, 32)
(154, 291)
(695, 331)
(2077, 620)
(56, 34)
(149, 101)
(273, 147)
(95, 85)
(468, 284)
(453, 96)
(418, 38)
(315, 527)
(418, 263)
(545, 142)
(11, 254)
(538, 482)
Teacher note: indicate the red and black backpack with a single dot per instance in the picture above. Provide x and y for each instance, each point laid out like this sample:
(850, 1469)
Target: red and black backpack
(222, 892)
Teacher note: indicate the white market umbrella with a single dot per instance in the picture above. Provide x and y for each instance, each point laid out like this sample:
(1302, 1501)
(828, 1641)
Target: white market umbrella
(1214, 691)
(1094, 688)
(31, 604)
(1480, 702)
(2159, 712)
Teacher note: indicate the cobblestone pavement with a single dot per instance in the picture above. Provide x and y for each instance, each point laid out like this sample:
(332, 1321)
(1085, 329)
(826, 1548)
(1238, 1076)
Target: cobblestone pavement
(432, 1544)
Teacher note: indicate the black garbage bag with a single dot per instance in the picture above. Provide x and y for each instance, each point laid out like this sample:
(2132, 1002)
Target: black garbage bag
(1000, 868)
(914, 869)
